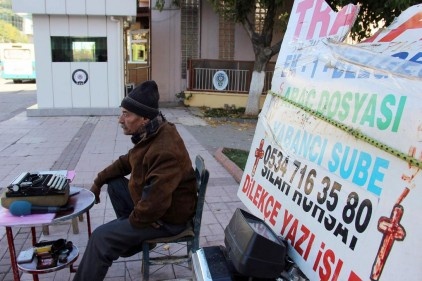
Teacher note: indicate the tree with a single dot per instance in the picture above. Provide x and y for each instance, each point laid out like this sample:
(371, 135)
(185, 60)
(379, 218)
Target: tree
(10, 34)
(275, 12)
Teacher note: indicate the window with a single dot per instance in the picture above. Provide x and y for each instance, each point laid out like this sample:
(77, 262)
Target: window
(190, 32)
(17, 54)
(78, 49)
(260, 14)
(226, 37)
(138, 45)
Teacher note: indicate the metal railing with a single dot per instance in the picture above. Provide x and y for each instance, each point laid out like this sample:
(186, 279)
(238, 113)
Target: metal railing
(237, 79)
(238, 75)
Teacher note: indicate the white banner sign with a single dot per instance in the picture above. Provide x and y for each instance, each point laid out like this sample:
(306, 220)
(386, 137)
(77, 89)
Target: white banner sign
(335, 160)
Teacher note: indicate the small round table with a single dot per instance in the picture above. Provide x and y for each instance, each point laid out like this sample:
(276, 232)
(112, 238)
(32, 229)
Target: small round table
(31, 267)
(81, 199)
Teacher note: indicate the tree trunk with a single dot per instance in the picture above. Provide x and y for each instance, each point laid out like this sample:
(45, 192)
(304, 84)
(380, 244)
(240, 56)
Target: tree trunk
(255, 92)
(257, 82)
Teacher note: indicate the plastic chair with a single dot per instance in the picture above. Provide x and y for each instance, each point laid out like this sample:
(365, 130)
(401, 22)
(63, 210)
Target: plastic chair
(190, 236)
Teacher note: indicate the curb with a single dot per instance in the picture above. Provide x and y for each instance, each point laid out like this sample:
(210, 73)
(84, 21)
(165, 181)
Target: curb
(230, 166)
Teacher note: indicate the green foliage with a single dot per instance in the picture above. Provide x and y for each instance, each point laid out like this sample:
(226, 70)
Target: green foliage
(10, 34)
(237, 156)
(227, 111)
(6, 4)
(371, 14)
(159, 4)
(181, 96)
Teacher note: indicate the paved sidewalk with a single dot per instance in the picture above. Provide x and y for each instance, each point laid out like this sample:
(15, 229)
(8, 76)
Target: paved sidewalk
(86, 145)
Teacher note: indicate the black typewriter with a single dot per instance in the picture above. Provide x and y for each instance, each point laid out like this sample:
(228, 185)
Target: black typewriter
(35, 184)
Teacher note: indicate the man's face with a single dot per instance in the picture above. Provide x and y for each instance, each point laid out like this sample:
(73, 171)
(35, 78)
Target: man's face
(130, 122)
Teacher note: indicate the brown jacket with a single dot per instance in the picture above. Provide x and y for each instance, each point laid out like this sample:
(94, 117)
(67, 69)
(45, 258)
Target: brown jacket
(162, 182)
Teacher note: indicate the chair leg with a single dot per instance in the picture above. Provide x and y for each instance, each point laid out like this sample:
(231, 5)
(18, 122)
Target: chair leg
(75, 226)
(145, 261)
(189, 246)
(45, 230)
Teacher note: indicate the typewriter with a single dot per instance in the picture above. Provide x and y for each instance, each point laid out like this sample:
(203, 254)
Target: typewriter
(27, 184)
(49, 188)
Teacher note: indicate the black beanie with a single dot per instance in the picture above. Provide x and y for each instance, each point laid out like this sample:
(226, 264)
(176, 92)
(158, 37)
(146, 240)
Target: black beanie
(143, 100)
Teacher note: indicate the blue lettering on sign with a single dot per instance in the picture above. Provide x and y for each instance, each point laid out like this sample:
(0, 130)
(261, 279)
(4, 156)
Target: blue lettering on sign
(409, 65)
(360, 167)
(300, 142)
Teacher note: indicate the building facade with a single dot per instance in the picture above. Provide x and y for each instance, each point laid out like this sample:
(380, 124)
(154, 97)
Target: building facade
(90, 53)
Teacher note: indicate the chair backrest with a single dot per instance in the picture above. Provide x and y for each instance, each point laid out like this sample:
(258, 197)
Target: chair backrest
(202, 176)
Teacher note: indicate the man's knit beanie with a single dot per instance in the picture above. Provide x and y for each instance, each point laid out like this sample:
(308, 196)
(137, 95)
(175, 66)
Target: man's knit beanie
(143, 100)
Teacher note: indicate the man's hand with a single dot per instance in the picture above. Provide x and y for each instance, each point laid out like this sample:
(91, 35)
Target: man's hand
(155, 225)
(96, 190)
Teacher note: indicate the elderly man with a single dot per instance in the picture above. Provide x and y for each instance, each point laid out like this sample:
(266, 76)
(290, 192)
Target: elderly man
(157, 199)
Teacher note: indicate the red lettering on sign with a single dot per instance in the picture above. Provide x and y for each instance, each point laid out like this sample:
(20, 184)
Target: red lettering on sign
(345, 17)
(265, 202)
(259, 194)
(354, 277)
(306, 234)
(246, 184)
(305, 239)
(321, 18)
(302, 8)
(325, 262)
(412, 23)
